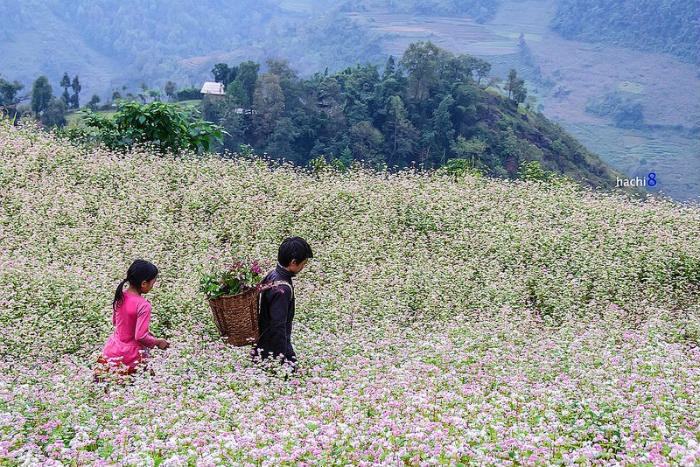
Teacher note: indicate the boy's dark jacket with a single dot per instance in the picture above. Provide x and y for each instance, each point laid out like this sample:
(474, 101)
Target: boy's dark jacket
(276, 315)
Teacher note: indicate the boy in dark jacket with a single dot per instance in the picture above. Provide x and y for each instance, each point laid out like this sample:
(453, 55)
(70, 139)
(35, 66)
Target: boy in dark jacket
(277, 302)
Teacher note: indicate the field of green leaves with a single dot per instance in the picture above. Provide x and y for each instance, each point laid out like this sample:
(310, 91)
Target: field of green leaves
(444, 319)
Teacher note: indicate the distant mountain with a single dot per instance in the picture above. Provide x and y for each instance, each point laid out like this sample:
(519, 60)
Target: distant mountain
(669, 26)
(128, 44)
(111, 43)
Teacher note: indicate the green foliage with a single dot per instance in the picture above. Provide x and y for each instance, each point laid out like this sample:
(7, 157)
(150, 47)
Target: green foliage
(41, 94)
(424, 111)
(55, 113)
(8, 92)
(516, 87)
(320, 165)
(9, 98)
(459, 167)
(532, 171)
(232, 277)
(188, 93)
(168, 127)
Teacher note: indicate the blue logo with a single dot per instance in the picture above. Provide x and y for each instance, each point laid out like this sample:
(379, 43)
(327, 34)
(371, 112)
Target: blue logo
(651, 179)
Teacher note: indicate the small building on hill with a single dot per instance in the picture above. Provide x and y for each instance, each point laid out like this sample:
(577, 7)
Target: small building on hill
(213, 90)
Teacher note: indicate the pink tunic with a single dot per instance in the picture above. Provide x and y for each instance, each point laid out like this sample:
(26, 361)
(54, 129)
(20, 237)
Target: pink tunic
(130, 337)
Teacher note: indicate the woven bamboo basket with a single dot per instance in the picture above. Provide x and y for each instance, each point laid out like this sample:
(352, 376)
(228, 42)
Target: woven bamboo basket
(236, 316)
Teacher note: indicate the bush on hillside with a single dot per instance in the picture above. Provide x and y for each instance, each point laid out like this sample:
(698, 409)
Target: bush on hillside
(168, 127)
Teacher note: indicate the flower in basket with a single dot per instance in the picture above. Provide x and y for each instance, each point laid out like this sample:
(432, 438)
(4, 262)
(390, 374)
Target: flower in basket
(233, 277)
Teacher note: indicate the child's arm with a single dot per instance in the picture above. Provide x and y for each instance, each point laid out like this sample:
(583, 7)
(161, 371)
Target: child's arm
(142, 336)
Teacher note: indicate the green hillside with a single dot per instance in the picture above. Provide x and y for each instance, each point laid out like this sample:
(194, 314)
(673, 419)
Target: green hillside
(429, 108)
(442, 319)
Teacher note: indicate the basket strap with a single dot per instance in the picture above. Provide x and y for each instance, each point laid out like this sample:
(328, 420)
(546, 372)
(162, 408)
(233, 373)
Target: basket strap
(278, 283)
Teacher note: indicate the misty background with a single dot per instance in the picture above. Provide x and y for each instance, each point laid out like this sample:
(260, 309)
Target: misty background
(588, 65)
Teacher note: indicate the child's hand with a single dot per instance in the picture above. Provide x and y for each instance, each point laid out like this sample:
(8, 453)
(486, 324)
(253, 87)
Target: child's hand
(163, 344)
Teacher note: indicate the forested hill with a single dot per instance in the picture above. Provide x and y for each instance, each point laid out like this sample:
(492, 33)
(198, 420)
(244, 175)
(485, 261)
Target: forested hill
(127, 42)
(669, 26)
(426, 109)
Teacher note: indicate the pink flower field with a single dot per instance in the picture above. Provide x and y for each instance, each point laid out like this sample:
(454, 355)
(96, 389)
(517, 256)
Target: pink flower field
(444, 320)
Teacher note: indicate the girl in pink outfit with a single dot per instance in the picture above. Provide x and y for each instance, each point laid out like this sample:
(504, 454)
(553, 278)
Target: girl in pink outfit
(129, 344)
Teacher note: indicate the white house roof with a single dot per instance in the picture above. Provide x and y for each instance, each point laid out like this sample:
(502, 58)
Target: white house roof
(211, 87)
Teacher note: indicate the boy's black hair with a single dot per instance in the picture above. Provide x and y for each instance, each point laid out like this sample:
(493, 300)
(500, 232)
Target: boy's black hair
(139, 271)
(293, 248)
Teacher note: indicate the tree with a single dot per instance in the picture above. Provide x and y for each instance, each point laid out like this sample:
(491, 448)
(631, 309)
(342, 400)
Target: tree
(389, 68)
(533, 171)
(281, 68)
(281, 140)
(268, 103)
(8, 98)
(94, 100)
(400, 134)
(516, 87)
(237, 95)
(8, 93)
(442, 123)
(224, 74)
(520, 93)
(41, 95)
(480, 68)
(471, 149)
(55, 113)
(75, 98)
(170, 89)
(421, 62)
(367, 143)
(144, 92)
(65, 84)
(248, 76)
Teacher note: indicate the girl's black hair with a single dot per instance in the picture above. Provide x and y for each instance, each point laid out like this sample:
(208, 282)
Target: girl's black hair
(293, 248)
(139, 271)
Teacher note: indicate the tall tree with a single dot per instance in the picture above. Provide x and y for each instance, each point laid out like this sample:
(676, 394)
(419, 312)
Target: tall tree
(65, 84)
(443, 129)
(480, 68)
(516, 87)
(280, 68)
(422, 64)
(75, 98)
(268, 103)
(389, 68)
(248, 76)
(401, 134)
(170, 89)
(41, 95)
(224, 74)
